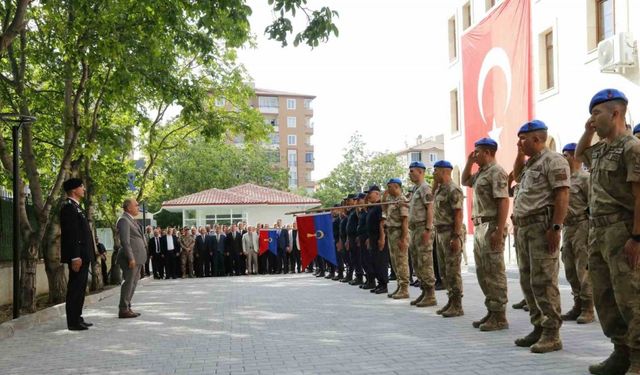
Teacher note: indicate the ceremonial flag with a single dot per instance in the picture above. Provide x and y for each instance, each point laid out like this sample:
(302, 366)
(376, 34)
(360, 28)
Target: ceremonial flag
(497, 79)
(315, 234)
(268, 241)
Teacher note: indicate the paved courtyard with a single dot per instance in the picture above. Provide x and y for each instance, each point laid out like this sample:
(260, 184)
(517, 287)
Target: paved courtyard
(290, 324)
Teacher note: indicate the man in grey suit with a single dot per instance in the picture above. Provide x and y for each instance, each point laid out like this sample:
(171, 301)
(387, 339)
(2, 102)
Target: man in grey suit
(131, 257)
(250, 246)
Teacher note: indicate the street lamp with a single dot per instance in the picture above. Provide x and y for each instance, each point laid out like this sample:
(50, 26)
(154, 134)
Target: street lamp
(17, 120)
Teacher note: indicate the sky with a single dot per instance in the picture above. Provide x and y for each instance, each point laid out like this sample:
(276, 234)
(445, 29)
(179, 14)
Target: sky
(383, 76)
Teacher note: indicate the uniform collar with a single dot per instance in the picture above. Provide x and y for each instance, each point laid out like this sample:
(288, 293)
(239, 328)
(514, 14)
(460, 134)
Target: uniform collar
(537, 156)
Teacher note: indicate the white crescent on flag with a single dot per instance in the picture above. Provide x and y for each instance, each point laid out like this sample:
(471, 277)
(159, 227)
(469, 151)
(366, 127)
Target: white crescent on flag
(496, 57)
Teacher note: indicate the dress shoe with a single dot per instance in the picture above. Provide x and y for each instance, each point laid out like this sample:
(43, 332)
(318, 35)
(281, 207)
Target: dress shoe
(127, 314)
(85, 323)
(78, 327)
(136, 313)
(382, 290)
(374, 289)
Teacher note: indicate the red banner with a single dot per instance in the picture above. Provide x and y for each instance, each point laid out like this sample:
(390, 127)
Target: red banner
(497, 79)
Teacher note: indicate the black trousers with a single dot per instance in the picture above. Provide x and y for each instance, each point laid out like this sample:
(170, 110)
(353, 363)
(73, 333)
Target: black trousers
(297, 261)
(367, 258)
(76, 288)
(262, 263)
(436, 269)
(241, 266)
(380, 262)
(171, 264)
(356, 256)
(228, 264)
(158, 266)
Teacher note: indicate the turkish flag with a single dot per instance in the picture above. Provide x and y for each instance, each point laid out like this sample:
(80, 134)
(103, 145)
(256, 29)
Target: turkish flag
(497, 79)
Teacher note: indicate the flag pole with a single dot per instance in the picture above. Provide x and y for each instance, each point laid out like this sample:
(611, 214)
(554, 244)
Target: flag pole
(326, 209)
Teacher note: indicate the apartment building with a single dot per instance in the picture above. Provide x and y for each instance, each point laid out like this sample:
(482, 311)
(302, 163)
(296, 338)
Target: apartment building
(291, 115)
(427, 150)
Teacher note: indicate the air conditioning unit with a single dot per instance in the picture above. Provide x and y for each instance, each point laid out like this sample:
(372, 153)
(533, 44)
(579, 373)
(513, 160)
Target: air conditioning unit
(617, 53)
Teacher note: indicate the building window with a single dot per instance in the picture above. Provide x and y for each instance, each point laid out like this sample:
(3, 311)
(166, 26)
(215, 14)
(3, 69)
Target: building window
(307, 176)
(307, 103)
(271, 121)
(275, 138)
(466, 16)
(453, 104)
(415, 156)
(291, 104)
(291, 122)
(453, 39)
(488, 4)
(606, 24)
(268, 101)
(292, 158)
(220, 102)
(433, 157)
(293, 178)
(547, 61)
(292, 140)
(308, 157)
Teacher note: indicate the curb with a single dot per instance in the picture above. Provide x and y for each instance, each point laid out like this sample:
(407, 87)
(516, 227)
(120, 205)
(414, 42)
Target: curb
(8, 329)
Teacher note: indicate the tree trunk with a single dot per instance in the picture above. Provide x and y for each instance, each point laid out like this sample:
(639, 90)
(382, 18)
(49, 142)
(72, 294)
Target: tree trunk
(116, 272)
(55, 271)
(29, 265)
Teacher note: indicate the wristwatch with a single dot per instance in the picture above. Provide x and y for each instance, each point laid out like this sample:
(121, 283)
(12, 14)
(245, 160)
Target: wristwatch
(557, 227)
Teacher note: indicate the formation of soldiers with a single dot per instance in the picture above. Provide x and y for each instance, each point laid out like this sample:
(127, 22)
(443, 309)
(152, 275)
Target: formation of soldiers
(596, 214)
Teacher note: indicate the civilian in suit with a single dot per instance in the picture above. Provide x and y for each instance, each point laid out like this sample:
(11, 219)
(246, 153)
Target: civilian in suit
(203, 262)
(155, 253)
(218, 242)
(283, 248)
(131, 256)
(148, 234)
(171, 250)
(242, 228)
(77, 250)
(250, 246)
(234, 240)
(228, 257)
(294, 259)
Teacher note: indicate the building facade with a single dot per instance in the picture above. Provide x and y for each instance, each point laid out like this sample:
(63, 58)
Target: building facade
(291, 116)
(427, 150)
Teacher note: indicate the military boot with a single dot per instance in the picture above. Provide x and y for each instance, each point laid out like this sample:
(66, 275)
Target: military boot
(586, 316)
(371, 284)
(366, 281)
(634, 358)
(339, 276)
(445, 307)
(420, 297)
(331, 275)
(402, 293)
(390, 295)
(496, 322)
(617, 364)
(320, 274)
(455, 309)
(429, 298)
(520, 305)
(356, 281)
(531, 338)
(478, 323)
(549, 341)
(574, 312)
(347, 279)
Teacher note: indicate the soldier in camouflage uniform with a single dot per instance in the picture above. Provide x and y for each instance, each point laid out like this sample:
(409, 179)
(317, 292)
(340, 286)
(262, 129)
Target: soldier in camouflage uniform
(396, 218)
(421, 226)
(539, 210)
(447, 218)
(636, 131)
(614, 233)
(187, 243)
(489, 215)
(575, 254)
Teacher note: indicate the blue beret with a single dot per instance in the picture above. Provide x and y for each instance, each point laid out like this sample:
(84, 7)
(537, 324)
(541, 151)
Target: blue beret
(636, 129)
(374, 188)
(394, 181)
(532, 126)
(487, 142)
(417, 164)
(361, 196)
(571, 147)
(606, 95)
(443, 164)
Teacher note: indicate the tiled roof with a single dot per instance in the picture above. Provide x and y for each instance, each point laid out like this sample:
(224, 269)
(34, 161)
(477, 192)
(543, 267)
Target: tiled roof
(247, 194)
(280, 93)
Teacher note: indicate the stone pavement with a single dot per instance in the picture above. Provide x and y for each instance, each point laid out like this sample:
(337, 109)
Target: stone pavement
(291, 324)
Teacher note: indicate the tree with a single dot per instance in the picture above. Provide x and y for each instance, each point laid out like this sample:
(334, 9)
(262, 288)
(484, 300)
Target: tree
(358, 170)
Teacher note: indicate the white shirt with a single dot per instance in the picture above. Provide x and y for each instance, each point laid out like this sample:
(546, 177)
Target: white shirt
(170, 242)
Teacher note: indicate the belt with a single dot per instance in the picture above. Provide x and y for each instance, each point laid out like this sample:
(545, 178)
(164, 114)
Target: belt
(416, 224)
(604, 220)
(394, 227)
(531, 219)
(573, 220)
(444, 228)
(483, 219)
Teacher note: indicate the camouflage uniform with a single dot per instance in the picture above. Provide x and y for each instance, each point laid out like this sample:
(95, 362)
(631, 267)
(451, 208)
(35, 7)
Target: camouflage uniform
(489, 185)
(447, 199)
(575, 253)
(393, 214)
(422, 254)
(616, 286)
(187, 243)
(533, 211)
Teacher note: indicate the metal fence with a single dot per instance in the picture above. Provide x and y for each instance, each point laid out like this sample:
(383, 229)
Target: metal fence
(6, 224)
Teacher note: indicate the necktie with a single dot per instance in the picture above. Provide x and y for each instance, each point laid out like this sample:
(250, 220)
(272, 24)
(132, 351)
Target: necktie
(157, 245)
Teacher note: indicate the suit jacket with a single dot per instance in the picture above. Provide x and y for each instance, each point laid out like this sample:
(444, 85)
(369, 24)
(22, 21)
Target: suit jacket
(164, 247)
(233, 243)
(153, 249)
(76, 238)
(246, 242)
(283, 239)
(218, 245)
(202, 244)
(132, 240)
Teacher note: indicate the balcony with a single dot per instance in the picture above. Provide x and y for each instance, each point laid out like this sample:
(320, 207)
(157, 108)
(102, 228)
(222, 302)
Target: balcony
(268, 110)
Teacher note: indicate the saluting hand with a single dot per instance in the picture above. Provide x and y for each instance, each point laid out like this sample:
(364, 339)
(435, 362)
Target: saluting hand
(472, 157)
(632, 251)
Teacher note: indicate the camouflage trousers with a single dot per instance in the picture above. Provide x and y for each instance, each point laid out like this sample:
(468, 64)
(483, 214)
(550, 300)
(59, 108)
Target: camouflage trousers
(539, 275)
(616, 286)
(422, 257)
(449, 263)
(399, 257)
(186, 262)
(575, 256)
(490, 268)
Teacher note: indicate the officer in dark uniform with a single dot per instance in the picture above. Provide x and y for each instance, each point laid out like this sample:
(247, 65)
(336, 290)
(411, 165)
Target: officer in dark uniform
(343, 256)
(355, 251)
(77, 250)
(377, 242)
(363, 236)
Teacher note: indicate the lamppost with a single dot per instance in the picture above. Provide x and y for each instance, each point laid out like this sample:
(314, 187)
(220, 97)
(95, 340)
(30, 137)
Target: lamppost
(17, 120)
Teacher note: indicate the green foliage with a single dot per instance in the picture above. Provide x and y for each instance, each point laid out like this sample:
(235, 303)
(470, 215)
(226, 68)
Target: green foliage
(358, 170)
(320, 23)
